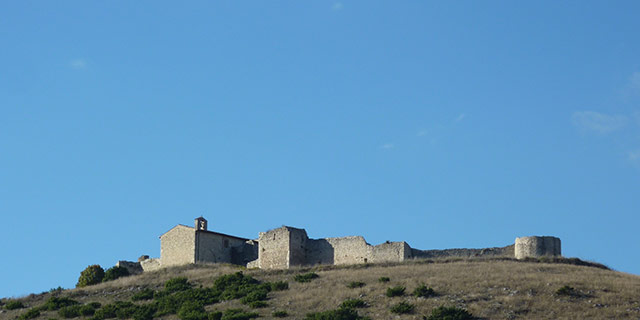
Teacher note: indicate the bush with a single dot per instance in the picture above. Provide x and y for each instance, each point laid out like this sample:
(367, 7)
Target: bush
(450, 313)
(384, 279)
(120, 309)
(91, 275)
(257, 304)
(55, 303)
(30, 314)
(339, 314)
(352, 304)
(423, 291)
(238, 314)
(257, 294)
(305, 277)
(76, 311)
(395, 291)
(569, 292)
(280, 314)
(176, 284)
(279, 285)
(145, 294)
(355, 284)
(192, 311)
(144, 312)
(215, 315)
(115, 273)
(402, 308)
(13, 305)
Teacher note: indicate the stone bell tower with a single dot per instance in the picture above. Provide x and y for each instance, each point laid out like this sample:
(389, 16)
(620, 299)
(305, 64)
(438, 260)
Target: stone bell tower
(201, 224)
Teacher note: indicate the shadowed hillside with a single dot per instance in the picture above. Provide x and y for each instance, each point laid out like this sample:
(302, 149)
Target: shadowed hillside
(486, 288)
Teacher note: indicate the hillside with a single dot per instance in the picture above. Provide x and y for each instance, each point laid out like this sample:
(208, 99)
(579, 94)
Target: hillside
(487, 288)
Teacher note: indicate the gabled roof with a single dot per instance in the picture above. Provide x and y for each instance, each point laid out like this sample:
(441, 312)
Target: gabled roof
(207, 231)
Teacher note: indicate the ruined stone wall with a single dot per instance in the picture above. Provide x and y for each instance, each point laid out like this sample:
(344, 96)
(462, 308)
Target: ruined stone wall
(177, 246)
(245, 254)
(537, 247)
(132, 267)
(273, 252)
(212, 247)
(297, 247)
(151, 264)
(390, 252)
(464, 253)
(350, 250)
(319, 251)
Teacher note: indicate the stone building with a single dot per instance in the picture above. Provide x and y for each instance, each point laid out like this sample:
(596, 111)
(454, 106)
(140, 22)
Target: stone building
(286, 247)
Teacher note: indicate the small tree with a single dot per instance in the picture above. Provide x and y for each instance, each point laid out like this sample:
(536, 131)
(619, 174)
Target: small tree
(91, 275)
(115, 273)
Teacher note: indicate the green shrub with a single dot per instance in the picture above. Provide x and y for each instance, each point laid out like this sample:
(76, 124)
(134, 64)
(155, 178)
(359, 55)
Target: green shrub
(30, 314)
(279, 285)
(167, 305)
(215, 315)
(280, 314)
(144, 312)
(450, 313)
(352, 304)
(355, 284)
(384, 279)
(192, 311)
(55, 303)
(91, 275)
(305, 277)
(402, 308)
(145, 294)
(13, 305)
(76, 311)
(176, 284)
(238, 314)
(57, 290)
(339, 314)
(423, 291)
(120, 309)
(170, 304)
(258, 304)
(395, 291)
(257, 294)
(115, 273)
(570, 292)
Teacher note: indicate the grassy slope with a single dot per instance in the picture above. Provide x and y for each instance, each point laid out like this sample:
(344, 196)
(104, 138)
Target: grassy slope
(491, 289)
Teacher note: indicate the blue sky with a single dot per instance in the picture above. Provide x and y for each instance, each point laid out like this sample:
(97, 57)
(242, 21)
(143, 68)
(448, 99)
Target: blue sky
(444, 124)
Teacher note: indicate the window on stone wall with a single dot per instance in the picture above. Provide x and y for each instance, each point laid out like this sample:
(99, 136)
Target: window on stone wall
(226, 243)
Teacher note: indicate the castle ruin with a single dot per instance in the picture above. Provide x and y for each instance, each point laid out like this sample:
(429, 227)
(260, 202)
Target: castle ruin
(287, 247)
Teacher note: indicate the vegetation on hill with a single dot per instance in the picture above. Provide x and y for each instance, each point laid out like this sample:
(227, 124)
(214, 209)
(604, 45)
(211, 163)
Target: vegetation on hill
(424, 289)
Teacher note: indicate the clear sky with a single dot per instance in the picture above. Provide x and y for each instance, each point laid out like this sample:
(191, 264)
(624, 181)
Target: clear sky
(445, 124)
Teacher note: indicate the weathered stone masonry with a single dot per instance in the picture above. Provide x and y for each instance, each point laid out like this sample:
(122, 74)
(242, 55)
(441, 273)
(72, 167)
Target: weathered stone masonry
(286, 247)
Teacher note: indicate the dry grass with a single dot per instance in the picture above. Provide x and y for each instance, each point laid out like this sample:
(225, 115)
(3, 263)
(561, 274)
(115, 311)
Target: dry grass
(488, 288)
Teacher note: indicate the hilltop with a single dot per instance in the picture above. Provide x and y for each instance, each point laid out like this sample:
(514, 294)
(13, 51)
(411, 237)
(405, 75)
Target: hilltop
(489, 288)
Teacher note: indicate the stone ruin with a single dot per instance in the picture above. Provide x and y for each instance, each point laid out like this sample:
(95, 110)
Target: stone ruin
(287, 247)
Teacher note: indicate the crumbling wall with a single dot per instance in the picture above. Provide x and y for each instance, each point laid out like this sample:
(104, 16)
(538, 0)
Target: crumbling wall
(464, 253)
(132, 267)
(246, 253)
(350, 250)
(177, 246)
(319, 251)
(297, 247)
(537, 247)
(213, 247)
(152, 264)
(390, 252)
(273, 252)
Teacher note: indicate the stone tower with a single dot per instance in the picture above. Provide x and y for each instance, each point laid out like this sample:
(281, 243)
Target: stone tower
(201, 224)
(537, 247)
